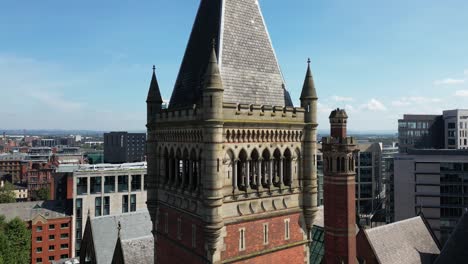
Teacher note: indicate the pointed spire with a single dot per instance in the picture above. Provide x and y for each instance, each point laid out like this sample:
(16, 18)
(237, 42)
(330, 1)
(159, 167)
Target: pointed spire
(212, 75)
(119, 227)
(308, 90)
(154, 95)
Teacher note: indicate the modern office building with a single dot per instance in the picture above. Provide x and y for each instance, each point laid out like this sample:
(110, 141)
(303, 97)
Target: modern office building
(124, 147)
(106, 189)
(446, 131)
(456, 129)
(434, 182)
(388, 165)
(420, 131)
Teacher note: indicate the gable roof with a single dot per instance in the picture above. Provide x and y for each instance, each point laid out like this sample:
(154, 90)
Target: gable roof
(136, 225)
(138, 251)
(247, 61)
(28, 211)
(456, 248)
(407, 241)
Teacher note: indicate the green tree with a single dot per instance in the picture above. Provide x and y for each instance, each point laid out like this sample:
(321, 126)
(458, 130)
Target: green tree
(15, 242)
(7, 194)
(43, 194)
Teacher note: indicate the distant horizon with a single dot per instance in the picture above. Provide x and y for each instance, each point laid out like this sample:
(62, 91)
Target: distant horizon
(320, 131)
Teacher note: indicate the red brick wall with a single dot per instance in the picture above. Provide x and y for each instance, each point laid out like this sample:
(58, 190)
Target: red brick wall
(57, 241)
(169, 249)
(364, 250)
(288, 256)
(69, 186)
(340, 214)
(254, 239)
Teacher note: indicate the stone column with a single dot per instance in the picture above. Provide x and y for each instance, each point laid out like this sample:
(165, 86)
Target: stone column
(270, 180)
(248, 174)
(234, 173)
(259, 171)
(190, 162)
(281, 172)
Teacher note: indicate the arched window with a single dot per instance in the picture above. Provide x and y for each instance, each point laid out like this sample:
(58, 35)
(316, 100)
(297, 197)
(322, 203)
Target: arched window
(287, 168)
(242, 171)
(338, 165)
(343, 163)
(254, 169)
(266, 168)
(277, 168)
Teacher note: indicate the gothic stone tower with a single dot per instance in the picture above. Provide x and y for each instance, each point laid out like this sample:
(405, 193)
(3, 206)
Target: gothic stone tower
(231, 162)
(339, 192)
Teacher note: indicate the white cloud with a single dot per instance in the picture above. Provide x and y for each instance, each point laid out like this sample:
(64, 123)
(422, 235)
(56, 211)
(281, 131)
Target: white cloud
(374, 105)
(56, 101)
(405, 101)
(342, 98)
(461, 93)
(449, 81)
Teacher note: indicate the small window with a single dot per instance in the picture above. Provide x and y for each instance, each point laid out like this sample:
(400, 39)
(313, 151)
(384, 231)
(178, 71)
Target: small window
(39, 229)
(265, 234)
(133, 203)
(39, 250)
(51, 248)
(241, 239)
(38, 260)
(64, 236)
(98, 206)
(194, 236)
(64, 256)
(166, 223)
(38, 239)
(124, 203)
(179, 228)
(64, 246)
(286, 228)
(51, 227)
(51, 237)
(51, 258)
(64, 225)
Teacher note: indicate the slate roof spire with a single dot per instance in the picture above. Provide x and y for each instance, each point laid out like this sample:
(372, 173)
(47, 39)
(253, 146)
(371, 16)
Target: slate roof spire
(154, 95)
(212, 77)
(308, 90)
(247, 60)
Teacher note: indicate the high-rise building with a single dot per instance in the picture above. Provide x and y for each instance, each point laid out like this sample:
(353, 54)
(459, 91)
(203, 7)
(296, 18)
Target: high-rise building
(339, 154)
(368, 179)
(456, 129)
(124, 147)
(420, 131)
(106, 189)
(435, 183)
(231, 162)
(388, 164)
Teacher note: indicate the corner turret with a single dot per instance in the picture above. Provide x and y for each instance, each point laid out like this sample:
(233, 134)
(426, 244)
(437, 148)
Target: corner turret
(154, 100)
(309, 103)
(213, 89)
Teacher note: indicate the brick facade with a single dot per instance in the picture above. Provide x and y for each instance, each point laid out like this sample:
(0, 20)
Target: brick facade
(254, 238)
(50, 239)
(179, 249)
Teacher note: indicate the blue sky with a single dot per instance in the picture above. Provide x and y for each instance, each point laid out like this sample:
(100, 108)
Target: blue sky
(87, 64)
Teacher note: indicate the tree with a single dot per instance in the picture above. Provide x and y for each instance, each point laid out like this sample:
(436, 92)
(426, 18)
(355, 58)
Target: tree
(43, 194)
(7, 194)
(15, 242)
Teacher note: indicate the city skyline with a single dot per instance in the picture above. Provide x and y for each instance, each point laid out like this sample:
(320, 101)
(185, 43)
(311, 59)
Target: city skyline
(377, 60)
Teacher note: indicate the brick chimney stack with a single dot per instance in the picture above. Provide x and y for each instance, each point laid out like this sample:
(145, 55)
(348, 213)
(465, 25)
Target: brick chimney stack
(339, 192)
